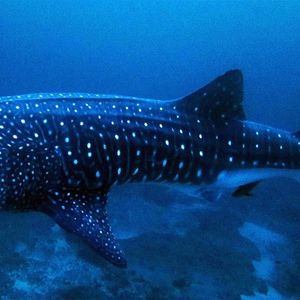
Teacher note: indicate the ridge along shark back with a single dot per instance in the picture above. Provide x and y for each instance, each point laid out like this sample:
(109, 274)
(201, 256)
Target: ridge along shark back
(61, 153)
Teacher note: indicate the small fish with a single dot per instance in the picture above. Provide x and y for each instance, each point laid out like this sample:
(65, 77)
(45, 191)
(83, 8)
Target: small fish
(61, 153)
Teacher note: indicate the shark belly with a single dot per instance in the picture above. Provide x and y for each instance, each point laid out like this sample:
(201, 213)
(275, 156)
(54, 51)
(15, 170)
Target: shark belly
(232, 179)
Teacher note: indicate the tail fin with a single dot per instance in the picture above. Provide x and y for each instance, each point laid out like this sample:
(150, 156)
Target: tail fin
(220, 100)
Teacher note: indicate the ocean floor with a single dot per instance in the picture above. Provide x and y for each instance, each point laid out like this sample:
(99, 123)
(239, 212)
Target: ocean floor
(177, 247)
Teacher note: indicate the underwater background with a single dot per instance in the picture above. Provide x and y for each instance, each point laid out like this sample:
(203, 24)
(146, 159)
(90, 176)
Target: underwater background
(177, 247)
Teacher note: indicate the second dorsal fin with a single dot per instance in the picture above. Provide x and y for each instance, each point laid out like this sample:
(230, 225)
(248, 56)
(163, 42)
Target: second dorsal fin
(297, 134)
(219, 101)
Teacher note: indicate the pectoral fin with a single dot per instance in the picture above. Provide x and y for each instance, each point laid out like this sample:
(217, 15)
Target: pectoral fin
(85, 215)
(245, 190)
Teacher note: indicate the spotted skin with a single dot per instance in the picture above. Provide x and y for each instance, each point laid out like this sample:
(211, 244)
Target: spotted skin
(61, 153)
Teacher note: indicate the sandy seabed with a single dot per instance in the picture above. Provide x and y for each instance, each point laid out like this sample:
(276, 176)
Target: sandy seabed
(177, 247)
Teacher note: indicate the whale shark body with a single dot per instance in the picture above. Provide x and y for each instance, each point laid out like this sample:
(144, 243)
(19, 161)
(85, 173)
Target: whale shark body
(61, 153)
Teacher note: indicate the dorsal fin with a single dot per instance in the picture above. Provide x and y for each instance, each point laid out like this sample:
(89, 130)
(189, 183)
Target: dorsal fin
(219, 101)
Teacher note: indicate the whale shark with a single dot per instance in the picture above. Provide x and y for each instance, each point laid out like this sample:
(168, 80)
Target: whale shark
(61, 153)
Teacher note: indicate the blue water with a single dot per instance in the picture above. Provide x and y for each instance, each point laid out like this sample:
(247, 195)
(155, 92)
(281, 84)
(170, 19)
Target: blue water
(179, 249)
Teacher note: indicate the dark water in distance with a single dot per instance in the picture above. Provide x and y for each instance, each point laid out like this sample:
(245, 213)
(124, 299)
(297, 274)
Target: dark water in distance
(159, 49)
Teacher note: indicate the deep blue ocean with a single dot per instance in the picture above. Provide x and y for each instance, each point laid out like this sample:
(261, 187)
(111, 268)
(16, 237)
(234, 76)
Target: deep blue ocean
(177, 247)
